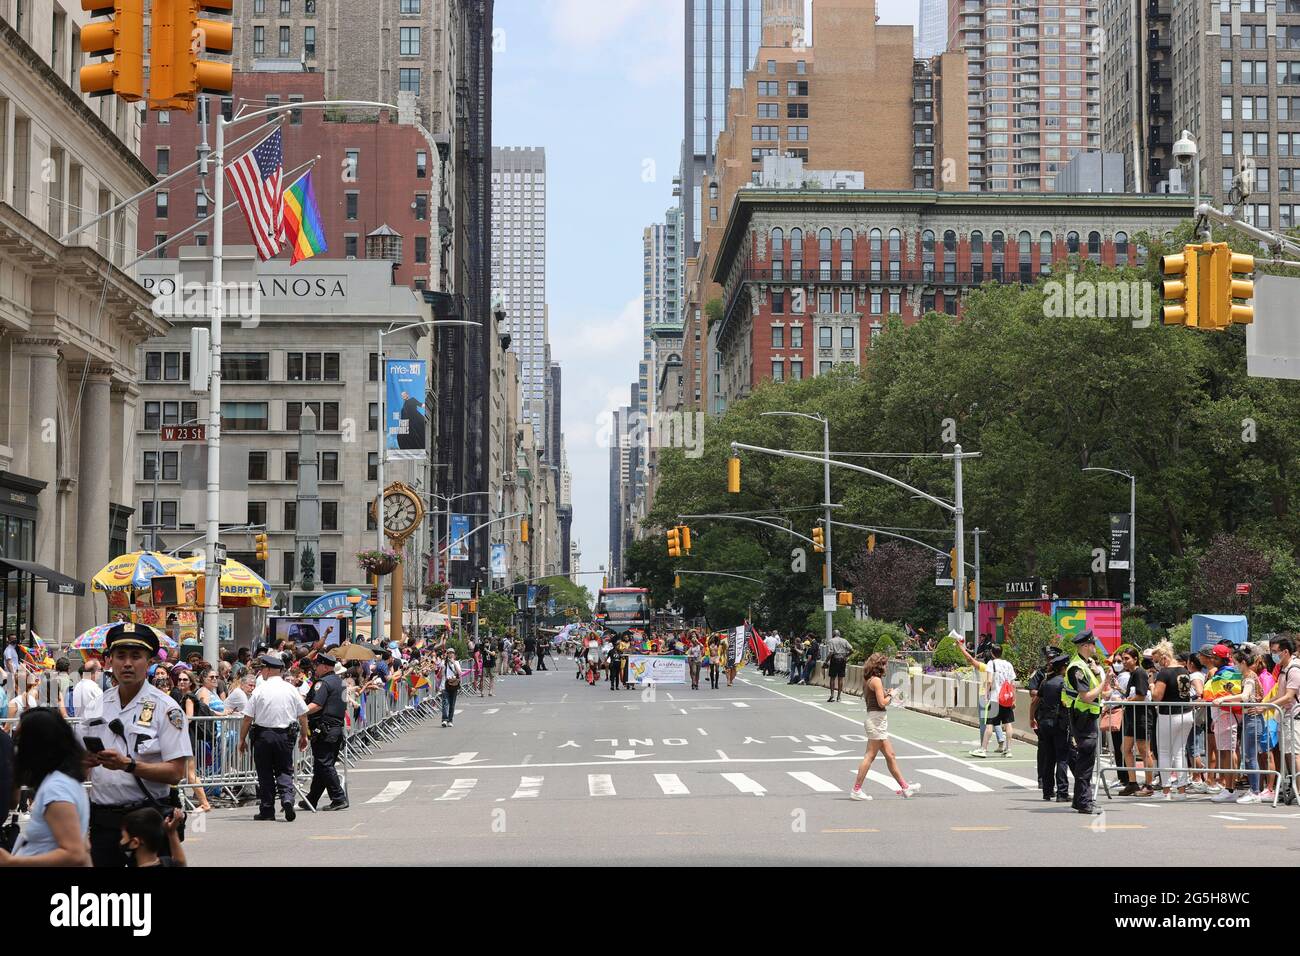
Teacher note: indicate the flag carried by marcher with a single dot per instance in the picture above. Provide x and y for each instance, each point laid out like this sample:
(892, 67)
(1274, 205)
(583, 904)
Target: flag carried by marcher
(256, 179)
(302, 226)
(757, 644)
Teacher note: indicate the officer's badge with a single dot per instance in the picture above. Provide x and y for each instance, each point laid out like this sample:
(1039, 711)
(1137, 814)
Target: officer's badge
(174, 718)
(146, 714)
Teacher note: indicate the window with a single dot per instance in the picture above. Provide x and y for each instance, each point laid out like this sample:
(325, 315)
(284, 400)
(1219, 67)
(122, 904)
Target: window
(769, 88)
(284, 41)
(327, 415)
(259, 41)
(796, 371)
(778, 337)
(285, 8)
(410, 6)
(421, 207)
(351, 165)
(1094, 246)
(796, 336)
(153, 366)
(778, 302)
(244, 416)
(796, 88)
(409, 40)
(1072, 243)
(895, 303)
(409, 79)
(778, 243)
(373, 424)
(778, 371)
(421, 165)
(312, 366)
(170, 465)
(329, 466)
(421, 249)
(1044, 252)
(328, 566)
(824, 337)
(246, 366)
(797, 134)
(823, 368)
(875, 303)
(257, 513)
(796, 111)
(288, 567)
(771, 67)
(350, 246)
(168, 514)
(309, 41)
(372, 466)
(350, 200)
(163, 162)
(160, 204)
(1121, 247)
(825, 302)
(846, 337)
(257, 466)
(329, 516)
(290, 516)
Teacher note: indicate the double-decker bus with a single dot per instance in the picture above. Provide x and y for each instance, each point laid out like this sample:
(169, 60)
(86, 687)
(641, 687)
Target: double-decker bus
(621, 609)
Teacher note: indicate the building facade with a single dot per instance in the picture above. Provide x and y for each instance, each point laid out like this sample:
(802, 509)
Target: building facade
(71, 319)
(809, 279)
(1034, 92)
(932, 32)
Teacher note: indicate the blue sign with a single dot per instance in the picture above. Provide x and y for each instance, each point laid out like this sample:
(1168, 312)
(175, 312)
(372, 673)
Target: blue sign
(459, 543)
(532, 595)
(327, 604)
(406, 384)
(498, 560)
(1211, 629)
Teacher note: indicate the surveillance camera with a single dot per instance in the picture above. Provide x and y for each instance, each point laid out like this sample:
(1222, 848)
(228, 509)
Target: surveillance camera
(1185, 150)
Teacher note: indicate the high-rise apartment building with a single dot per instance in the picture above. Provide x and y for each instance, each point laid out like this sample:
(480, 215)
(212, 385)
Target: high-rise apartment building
(1227, 71)
(1034, 94)
(932, 35)
(519, 268)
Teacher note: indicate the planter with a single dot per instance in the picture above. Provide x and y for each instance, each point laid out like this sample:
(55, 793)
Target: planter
(379, 562)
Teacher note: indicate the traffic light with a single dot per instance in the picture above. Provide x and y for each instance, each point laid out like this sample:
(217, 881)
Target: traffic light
(686, 539)
(970, 591)
(1225, 265)
(952, 564)
(733, 475)
(262, 550)
(178, 38)
(677, 582)
(123, 38)
(819, 539)
(844, 598)
(523, 531)
(473, 606)
(871, 544)
(954, 599)
(674, 543)
(1184, 291)
(455, 610)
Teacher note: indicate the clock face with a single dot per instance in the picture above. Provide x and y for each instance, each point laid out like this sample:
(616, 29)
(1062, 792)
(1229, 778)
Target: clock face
(400, 514)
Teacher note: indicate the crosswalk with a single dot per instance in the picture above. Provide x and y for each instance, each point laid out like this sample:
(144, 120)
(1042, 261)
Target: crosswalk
(951, 778)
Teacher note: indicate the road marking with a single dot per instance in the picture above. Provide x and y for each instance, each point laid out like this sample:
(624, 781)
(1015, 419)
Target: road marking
(978, 829)
(343, 836)
(390, 792)
(679, 833)
(744, 784)
(737, 703)
(1224, 816)
(1003, 775)
(814, 781)
(1153, 806)
(851, 830)
(528, 787)
(721, 756)
(460, 788)
(681, 710)
(670, 783)
(703, 732)
(600, 785)
(971, 786)
(1254, 826)
(492, 710)
(1112, 826)
(669, 696)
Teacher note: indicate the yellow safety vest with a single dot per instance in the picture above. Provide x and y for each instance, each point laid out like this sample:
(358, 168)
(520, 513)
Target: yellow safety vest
(1069, 698)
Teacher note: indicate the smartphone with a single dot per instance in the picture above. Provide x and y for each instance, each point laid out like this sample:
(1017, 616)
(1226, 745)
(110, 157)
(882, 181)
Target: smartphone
(93, 744)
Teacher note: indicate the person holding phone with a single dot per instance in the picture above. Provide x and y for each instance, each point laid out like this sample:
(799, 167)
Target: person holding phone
(49, 761)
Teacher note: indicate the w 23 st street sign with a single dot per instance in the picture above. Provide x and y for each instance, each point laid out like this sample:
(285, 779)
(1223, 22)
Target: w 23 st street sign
(183, 433)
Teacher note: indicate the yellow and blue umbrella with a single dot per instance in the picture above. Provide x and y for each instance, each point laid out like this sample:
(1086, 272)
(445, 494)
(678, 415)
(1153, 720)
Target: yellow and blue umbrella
(240, 585)
(132, 572)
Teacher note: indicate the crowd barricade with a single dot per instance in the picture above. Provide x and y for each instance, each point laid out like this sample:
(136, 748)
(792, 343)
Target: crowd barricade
(1199, 714)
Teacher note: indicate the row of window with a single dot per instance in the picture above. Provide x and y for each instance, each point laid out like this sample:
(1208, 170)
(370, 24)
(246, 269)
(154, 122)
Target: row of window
(1288, 179)
(246, 366)
(826, 305)
(1257, 144)
(826, 246)
(825, 336)
(773, 88)
(773, 110)
(1255, 37)
(1255, 72)
(245, 416)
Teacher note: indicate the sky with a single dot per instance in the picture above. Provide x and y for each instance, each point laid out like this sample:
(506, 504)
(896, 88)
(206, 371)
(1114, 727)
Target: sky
(598, 84)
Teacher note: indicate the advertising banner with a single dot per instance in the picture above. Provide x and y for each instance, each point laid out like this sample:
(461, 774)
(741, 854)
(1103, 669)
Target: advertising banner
(406, 384)
(942, 571)
(498, 560)
(654, 669)
(736, 646)
(459, 538)
(1119, 534)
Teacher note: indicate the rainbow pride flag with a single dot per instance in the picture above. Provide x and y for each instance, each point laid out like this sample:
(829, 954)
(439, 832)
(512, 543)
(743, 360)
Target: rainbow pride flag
(302, 226)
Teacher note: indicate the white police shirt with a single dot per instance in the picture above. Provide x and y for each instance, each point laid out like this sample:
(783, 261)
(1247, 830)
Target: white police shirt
(154, 731)
(275, 703)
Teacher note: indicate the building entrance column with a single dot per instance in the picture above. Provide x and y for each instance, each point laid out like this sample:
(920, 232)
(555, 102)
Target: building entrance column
(43, 463)
(93, 482)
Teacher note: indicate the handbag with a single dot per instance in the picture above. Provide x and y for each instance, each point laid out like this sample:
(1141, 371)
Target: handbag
(1112, 720)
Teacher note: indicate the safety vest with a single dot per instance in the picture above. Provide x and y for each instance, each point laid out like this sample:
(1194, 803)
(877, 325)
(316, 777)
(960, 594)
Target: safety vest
(1069, 698)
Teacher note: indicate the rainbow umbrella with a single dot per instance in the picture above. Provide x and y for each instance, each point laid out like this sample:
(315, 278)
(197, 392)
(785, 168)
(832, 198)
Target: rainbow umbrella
(95, 638)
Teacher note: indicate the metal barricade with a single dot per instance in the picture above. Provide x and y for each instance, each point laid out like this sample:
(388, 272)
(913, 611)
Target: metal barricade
(1164, 764)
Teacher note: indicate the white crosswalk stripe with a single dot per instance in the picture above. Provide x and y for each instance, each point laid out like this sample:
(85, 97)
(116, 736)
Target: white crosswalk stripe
(1003, 775)
(460, 788)
(600, 785)
(971, 786)
(884, 779)
(814, 782)
(744, 784)
(528, 787)
(390, 792)
(670, 783)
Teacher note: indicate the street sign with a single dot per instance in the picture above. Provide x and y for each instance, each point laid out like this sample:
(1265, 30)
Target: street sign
(1273, 339)
(1243, 588)
(460, 594)
(830, 600)
(1029, 587)
(220, 550)
(183, 433)
(942, 571)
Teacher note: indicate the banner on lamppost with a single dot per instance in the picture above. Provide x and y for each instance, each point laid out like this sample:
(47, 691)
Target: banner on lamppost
(406, 384)
(459, 543)
(498, 560)
(942, 571)
(1119, 542)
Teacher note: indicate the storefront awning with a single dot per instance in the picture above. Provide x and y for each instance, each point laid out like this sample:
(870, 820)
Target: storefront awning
(56, 583)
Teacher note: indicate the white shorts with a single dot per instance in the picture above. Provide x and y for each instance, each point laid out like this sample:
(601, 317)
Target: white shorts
(877, 725)
(1225, 730)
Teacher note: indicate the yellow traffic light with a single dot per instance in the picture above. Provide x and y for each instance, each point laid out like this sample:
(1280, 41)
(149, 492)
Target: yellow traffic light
(123, 38)
(819, 539)
(954, 599)
(473, 607)
(523, 531)
(844, 598)
(686, 539)
(1240, 264)
(1184, 291)
(677, 581)
(970, 591)
(733, 475)
(262, 550)
(871, 544)
(952, 564)
(674, 543)
(179, 37)
(455, 610)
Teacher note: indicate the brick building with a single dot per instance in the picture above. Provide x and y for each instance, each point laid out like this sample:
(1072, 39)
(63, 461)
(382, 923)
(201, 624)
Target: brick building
(370, 175)
(809, 278)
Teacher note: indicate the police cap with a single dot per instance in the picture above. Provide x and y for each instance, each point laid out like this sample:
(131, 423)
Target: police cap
(325, 659)
(128, 634)
(1084, 638)
(1059, 660)
(273, 660)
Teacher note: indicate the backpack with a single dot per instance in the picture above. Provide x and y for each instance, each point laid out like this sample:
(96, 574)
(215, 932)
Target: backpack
(1007, 692)
(201, 709)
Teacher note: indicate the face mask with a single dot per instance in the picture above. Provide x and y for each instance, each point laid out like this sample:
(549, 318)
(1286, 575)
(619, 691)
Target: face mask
(1277, 658)
(1119, 667)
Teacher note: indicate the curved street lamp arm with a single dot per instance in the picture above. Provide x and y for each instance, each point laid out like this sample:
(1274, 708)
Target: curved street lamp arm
(769, 524)
(722, 574)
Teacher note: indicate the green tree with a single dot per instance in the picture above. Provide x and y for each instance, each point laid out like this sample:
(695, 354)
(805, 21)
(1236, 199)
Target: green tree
(946, 653)
(496, 610)
(1030, 633)
(569, 596)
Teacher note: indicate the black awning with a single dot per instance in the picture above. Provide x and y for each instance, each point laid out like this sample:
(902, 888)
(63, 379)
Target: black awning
(56, 583)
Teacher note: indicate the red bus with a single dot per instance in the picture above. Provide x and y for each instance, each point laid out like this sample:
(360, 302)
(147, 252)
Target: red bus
(621, 609)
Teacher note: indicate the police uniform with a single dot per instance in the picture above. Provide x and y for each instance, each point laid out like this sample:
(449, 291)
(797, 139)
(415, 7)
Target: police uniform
(326, 737)
(1084, 718)
(1034, 686)
(274, 709)
(615, 660)
(1053, 733)
(149, 728)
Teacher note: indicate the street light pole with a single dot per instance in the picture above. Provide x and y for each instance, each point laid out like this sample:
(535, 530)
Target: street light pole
(959, 515)
(1132, 528)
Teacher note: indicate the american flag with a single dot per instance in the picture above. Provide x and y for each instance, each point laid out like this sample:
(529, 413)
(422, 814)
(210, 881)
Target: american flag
(256, 179)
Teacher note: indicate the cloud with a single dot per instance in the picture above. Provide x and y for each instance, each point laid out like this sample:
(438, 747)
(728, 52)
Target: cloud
(589, 23)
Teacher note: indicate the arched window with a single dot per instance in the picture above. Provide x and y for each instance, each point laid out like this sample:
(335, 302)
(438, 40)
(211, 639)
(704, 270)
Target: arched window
(1044, 252)
(949, 241)
(976, 257)
(778, 243)
(1094, 246)
(846, 242)
(873, 238)
(927, 244)
(1121, 247)
(824, 242)
(999, 245)
(796, 254)
(976, 244)
(949, 256)
(1025, 254)
(796, 240)
(713, 190)
(895, 243)
(1072, 242)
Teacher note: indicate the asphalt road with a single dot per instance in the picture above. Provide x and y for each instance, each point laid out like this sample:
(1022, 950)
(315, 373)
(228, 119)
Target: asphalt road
(552, 771)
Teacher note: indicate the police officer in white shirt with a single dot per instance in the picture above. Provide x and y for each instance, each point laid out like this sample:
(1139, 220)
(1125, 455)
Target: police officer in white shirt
(136, 747)
(274, 711)
(87, 695)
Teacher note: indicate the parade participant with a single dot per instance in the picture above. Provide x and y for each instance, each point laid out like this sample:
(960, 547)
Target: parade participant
(1049, 721)
(1079, 698)
(272, 713)
(877, 726)
(694, 652)
(730, 661)
(716, 650)
(450, 686)
(488, 682)
(325, 710)
(624, 650)
(142, 744)
(615, 662)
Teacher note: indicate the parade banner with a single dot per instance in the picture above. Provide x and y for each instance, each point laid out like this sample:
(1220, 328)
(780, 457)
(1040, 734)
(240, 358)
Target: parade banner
(736, 647)
(405, 383)
(459, 535)
(656, 669)
(498, 560)
(1117, 560)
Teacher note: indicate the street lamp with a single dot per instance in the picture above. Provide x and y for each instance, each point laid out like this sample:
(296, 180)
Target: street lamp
(827, 585)
(1132, 530)
(354, 599)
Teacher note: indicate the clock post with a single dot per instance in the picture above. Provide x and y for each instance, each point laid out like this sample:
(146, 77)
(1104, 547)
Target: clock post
(403, 512)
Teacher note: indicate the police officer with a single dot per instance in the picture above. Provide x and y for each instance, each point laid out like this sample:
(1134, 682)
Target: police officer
(273, 713)
(325, 707)
(1035, 695)
(1049, 722)
(142, 743)
(615, 661)
(1079, 698)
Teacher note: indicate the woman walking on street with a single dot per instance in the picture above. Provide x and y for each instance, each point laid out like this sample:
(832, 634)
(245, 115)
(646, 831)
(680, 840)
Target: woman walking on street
(694, 651)
(716, 650)
(877, 726)
(450, 686)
